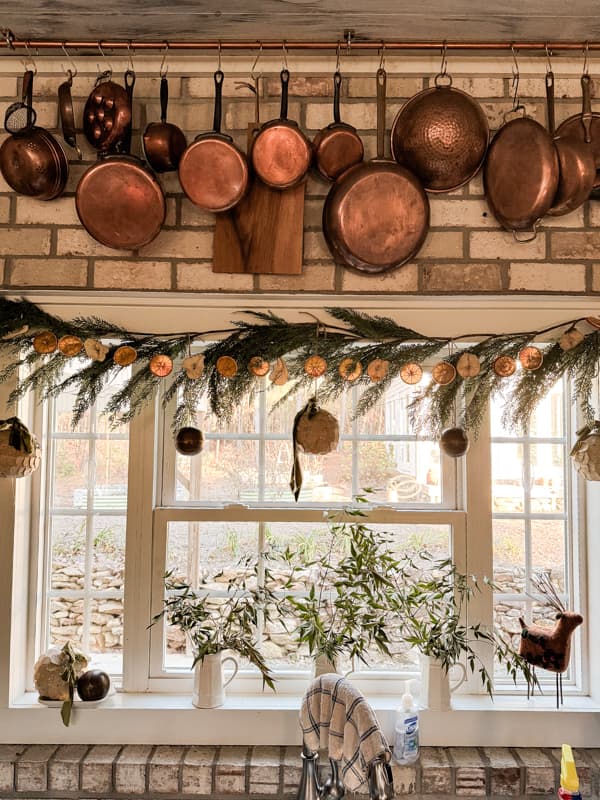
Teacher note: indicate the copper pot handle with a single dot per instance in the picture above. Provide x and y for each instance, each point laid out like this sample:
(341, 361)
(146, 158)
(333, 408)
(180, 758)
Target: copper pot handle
(528, 236)
(27, 95)
(381, 92)
(337, 83)
(586, 107)
(129, 84)
(550, 103)
(285, 81)
(218, 77)
(164, 98)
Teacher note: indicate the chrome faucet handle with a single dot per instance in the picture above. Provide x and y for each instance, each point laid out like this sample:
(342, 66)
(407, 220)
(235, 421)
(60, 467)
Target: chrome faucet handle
(333, 788)
(381, 782)
(309, 788)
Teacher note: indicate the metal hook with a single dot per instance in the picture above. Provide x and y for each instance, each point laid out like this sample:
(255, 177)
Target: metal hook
(219, 62)
(109, 68)
(548, 58)
(284, 49)
(9, 37)
(585, 58)
(516, 77)
(382, 56)
(72, 71)
(163, 69)
(29, 57)
(130, 54)
(444, 63)
(253, 74)
(348, 41)
(337, 58)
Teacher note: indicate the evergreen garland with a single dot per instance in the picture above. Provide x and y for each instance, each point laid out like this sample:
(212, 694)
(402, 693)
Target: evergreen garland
(359, 336)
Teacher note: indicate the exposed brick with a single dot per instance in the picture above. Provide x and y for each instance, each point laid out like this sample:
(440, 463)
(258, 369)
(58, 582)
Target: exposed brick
(292, 770)
(475, 185)
(403, 279)
(97, 768)
(32, 768)
(264, 770)
(33, 242)
(360, 115)
(8, 86)
(163, 769)
(4, 209)
(504, 770)
(479, 86)
(236, 116)
(149, 86)
(315, 247)
(63, 773)
(563, 87)
(179, 244)
(547, 277)
(76, 171)
(301, 86)
(230, 771)
(192, 118)
(152, 275)
(461, 213)
(9, 753)
(594, 214)
(314, 278)
(442, 244)
(316, 186)
(462, 277)
(78, 242)
(502, 245)
(196, 772)
(48, 272)
(436, 771)
(171, 213)
(40, 212)
(495, 112)
(575, 244)
(405, 778)
(395, 87)
(47, 114)
(130, 769)
(539, 773)
(573, 219)
(313, 214)
(2, 271)
(469, 771)
(195, 217)
(201, 278)
(204, 86)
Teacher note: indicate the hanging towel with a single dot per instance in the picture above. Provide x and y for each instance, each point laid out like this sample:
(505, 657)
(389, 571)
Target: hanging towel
(336, 716)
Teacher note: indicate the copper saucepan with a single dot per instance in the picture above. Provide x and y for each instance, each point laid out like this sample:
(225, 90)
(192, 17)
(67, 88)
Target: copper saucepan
(577, 166)
(281, 153)
(338, 146)
(163, 142)
(520, 175)
(585, 126)
(213, 172)
(441, 135)
(67, 116)
(119, 202)
(376, 214)
(107, 114)
(32, 161)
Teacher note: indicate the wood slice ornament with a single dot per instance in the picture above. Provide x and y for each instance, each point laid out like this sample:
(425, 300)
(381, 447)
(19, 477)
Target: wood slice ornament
(70, 346)
(570, 339)
(315, 431)
(350, 369)
(45, 342)
(125, 355)
(189, 441)
(258, 366)
(468, 365)
(531, 358)
(586, 452)
(226, 366)
(504, 366)
(315, 366)
(95, 350)
(193, 366)
(161, 365)
(279, 373)
(411, 373)
(378, 369)
(20, 451)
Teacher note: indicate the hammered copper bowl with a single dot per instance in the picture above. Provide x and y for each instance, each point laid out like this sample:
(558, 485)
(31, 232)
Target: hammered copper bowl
(441, 135)
(33, 163)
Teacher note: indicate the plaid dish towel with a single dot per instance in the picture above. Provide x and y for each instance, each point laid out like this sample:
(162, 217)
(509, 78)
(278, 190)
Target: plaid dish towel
(336, 716)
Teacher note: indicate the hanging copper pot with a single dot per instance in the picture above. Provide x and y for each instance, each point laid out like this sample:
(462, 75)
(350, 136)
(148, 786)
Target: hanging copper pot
(376, 215)
(163, 142)
(119, 201)
(338, 146)
(213, 172)
(585, 127)
(441, 135)
(32, 161)
(107, 114)
(281, 153)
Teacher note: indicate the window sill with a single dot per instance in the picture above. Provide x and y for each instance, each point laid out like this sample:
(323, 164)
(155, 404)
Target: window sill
(273, 720)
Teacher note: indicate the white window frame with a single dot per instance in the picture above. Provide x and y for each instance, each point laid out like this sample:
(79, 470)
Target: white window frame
(136, 716)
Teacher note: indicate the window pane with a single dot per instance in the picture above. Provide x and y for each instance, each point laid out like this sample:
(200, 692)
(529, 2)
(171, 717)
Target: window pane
(507, 477)
(548, 549)
(67, 552)
(400, 471)
(71, 473)
(509, 555)
(108, 559)
(547, 477)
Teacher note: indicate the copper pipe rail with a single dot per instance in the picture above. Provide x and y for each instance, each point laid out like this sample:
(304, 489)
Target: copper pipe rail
(347, 42)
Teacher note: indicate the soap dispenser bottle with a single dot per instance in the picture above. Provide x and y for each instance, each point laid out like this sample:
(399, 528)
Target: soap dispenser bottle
(406, 740)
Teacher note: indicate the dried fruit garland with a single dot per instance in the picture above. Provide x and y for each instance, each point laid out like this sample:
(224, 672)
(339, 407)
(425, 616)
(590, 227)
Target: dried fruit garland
(362, 350)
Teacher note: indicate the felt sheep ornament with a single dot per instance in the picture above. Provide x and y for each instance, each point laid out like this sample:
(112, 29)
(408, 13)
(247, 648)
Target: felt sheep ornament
(549, 648)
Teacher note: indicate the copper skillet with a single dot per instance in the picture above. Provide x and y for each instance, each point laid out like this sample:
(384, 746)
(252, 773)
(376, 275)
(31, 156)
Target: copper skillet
(338, 146)
(577, 166)
(281, 154)
(119, 202)
(376, 214)
(213, 172)
(585, 126)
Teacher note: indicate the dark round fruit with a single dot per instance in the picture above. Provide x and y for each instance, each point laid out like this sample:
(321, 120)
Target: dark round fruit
(93, 685)
(454, 442)
(189, 441)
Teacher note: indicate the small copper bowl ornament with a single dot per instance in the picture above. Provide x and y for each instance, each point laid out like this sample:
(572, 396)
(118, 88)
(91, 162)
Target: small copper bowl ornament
(454, 442)
(189, 441)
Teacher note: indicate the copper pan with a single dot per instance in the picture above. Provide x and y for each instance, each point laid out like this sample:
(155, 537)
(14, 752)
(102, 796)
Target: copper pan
(163, 141)
(585, 126)
(376, 214)
(107, 114)
(213, 172)
(441, 135)
(338, 146)
(577, 166)
(32, 161)
(281, 154)
(119, 201)
(520, 175)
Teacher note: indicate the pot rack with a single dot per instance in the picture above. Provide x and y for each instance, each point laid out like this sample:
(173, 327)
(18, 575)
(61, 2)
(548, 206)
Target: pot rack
(348, 41)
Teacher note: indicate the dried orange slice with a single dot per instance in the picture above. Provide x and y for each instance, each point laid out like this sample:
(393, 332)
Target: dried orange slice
(45, 342)
(443, 373)
(161, 365)
(125, 355)
(411, 372)
(70, 346)
(315, 366)
(226, 366)
(378, 369)
(505, 366)
(350, 369)
(258, 366)
(531, 358)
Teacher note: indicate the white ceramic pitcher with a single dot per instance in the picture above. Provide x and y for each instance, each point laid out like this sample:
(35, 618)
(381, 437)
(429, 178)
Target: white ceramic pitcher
(435, 683)
(209, 686)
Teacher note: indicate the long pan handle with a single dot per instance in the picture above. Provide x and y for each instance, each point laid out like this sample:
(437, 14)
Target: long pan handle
(337, 83)
(285, 81)
(129, 84)
(164, 98)
(219, 78)
(381, 92)
(586, 107)
(550, 103)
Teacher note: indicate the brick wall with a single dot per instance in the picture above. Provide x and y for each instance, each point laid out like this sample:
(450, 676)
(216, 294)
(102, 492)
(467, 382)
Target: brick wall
(42, 244)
